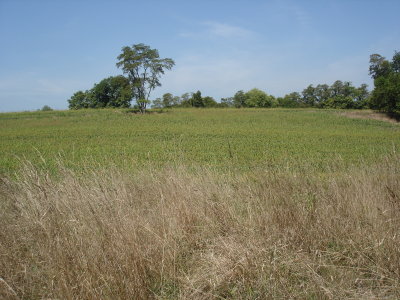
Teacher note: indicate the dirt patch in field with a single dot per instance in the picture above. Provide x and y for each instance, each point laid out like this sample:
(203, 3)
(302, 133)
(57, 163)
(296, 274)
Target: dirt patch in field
(369, 115)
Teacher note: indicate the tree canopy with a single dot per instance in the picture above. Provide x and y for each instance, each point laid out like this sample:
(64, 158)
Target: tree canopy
(113, 91)
(143, 67)
(386, 75)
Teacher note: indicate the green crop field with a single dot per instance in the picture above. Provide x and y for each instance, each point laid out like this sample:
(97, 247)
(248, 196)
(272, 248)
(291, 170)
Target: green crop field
(242, 139)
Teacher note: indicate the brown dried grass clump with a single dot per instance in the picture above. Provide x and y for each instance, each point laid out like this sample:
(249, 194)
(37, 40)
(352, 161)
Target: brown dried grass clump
(179, 234)
(370, 115)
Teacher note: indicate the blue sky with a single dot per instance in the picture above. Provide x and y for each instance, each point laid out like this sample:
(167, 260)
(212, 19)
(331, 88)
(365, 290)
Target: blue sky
(51, 49)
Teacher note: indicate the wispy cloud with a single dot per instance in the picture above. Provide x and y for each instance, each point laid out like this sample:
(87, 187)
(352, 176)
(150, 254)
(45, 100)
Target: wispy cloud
(227, 31)
(212, 29)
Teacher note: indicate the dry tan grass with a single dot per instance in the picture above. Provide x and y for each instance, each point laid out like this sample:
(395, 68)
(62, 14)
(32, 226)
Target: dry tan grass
(175, 234)
(369, 114)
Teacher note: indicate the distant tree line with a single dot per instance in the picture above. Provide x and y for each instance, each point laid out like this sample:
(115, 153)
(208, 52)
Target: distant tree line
(338, 95)
(186, 100)
(143, 68)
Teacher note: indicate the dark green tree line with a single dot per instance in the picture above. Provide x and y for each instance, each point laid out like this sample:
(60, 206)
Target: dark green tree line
(186, 100)
(338, 95)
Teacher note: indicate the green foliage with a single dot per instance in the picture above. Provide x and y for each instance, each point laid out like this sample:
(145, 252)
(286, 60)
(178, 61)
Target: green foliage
(337, 89)
(185, 100)
(46, 108)
(322, 93)
(361, 95)
(379, 66)
(158, 103)
(79, 100)
(386, 75)
(209, 102)
(340, 101)
(340, 94)
(167, 100)
(197, 100)
(386, 95)
(239, 99)
(144, 67)
(258, 98)
(110, 92)
(396, 62)
(252, 98)
(227, 102)
(309, 97)
(290, 100)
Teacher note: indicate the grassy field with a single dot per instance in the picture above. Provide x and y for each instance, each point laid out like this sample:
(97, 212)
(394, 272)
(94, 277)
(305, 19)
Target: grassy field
(231, 138)
(199, 204)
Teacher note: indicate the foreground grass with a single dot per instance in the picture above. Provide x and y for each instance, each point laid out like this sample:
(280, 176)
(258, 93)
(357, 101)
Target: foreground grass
(199, 234)
(239, 139)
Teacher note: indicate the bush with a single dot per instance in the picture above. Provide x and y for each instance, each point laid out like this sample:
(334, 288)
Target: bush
(46, 108)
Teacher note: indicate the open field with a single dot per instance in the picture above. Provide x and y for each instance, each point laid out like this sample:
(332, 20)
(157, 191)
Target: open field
(231, 138)
(199, 204)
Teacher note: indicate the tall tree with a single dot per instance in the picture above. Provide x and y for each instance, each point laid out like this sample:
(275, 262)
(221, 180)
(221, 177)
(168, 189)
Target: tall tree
(386, 95)
(309, 97)
(337, 89)
(239, 99)
(167, 100)
(322, 93)
(197, 100)
(378, 66)
(176, 101)
(185, 100)
(396, 62)
(144, 67)
(158, 103)
(386, 75)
